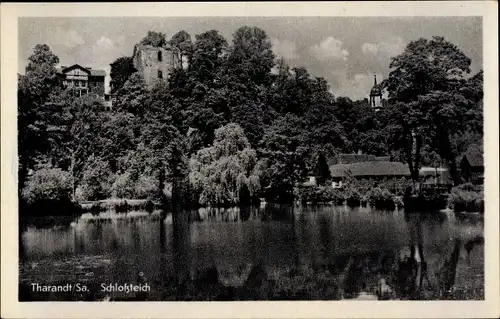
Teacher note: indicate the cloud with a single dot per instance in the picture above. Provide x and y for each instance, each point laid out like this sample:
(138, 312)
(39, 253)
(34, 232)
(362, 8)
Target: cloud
(389, 47)
(369, 49)
(103, 44)
(106, 50)
(355, 87)
(285, 48)
(120, 40)
(67, 38)
(330, 48)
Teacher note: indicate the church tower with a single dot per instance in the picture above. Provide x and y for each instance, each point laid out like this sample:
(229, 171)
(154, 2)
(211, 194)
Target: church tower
(376, 95)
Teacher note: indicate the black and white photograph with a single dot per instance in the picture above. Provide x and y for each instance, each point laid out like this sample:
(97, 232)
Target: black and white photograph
(250, 158)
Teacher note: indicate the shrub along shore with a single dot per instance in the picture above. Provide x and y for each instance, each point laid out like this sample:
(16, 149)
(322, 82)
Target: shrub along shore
(49, 194)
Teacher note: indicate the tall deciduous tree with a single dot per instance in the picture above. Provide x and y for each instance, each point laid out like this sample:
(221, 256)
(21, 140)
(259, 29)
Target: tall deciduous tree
(247, 77)
(251, 54)
(424, 88)
(35, 89)
(132, 96)
(209, 53)
(121, 70)
(81, 130)
(286, 151)
(225, 171)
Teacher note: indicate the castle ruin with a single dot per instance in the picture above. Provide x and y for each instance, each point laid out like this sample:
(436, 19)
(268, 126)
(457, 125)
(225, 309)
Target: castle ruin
(154, 63)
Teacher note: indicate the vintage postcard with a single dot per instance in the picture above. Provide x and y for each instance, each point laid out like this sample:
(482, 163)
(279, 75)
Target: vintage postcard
(256, 160)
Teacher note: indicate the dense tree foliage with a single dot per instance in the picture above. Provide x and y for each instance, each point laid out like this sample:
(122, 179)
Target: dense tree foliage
(183, 45)
(132, 96)
(430, 99)
(156, 39)
(121, 70)
(225, 172)
(35, 90)
(235, 123)
(286, 152)
(52, 184)
(321, 170)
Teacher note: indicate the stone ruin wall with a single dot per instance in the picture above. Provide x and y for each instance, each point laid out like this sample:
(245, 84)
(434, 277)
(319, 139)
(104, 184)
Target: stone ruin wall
(147, 64)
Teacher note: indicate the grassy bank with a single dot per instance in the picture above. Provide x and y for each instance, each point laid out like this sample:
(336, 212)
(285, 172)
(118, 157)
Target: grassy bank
(119, 205)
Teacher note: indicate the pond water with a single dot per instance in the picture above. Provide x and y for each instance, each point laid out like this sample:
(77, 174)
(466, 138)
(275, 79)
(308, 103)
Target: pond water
(263, 253)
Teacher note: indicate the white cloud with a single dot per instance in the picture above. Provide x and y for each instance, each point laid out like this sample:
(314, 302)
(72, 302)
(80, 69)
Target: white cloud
(389, 47)
(355, 87)
(120, 40)
(369, 48)
(330, 48)
(103, 44)
(285, 48)
(394, 46)
(68, 38)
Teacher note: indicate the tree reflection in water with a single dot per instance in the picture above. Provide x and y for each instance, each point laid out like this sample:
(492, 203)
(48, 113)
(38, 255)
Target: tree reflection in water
(271, 253)
(413, 269)
(181, 245)
(378, 273)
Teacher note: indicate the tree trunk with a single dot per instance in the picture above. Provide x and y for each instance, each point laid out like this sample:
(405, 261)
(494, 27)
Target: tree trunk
(416, 165)
(175, 195)
(454, 172)
(72, 170)
(409, 154)
(447, 153)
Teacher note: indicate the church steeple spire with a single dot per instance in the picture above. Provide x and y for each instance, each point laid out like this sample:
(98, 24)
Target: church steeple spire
(375, 94)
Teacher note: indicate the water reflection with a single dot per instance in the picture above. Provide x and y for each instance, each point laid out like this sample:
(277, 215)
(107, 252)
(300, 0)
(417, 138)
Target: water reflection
(271, 252)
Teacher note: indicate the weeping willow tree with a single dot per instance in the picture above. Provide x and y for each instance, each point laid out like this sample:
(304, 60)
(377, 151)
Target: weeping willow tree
(226, 172)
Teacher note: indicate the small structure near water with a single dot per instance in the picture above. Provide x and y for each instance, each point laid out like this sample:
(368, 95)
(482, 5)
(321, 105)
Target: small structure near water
(472, 165)
(364, 166)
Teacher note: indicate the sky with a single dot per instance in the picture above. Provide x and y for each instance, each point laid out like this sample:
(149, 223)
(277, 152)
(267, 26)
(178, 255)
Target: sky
(346, 51)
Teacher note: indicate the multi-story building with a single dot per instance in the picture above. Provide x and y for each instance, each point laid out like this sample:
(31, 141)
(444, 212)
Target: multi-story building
(154, 63)
(82, 80)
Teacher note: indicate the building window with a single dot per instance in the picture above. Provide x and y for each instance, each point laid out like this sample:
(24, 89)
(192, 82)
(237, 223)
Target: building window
(160, 74)
(160, 56)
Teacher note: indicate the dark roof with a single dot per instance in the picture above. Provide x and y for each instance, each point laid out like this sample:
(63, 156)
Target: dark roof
(352, 158)
(371, 168)
(92, 72)
(97, 72)
(474, 155)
